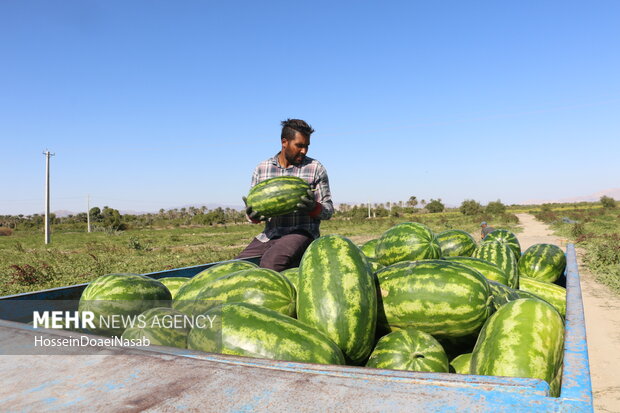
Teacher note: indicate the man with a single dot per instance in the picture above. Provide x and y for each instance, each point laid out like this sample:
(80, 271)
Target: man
(285, 238)
(485, 229)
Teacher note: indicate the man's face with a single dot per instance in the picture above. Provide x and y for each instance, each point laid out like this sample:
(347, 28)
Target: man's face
(296, 149)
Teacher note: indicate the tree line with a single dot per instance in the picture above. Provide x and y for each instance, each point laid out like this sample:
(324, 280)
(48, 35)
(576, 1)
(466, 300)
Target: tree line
(110, 219)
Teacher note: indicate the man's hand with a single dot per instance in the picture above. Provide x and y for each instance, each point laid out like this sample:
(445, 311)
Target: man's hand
(306, 202)
(253, 215)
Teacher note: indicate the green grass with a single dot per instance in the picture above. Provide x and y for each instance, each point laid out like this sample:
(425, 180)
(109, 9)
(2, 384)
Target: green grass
(27, 264)
(597, 230)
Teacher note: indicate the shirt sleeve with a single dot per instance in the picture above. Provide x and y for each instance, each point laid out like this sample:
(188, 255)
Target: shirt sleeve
(323, 194)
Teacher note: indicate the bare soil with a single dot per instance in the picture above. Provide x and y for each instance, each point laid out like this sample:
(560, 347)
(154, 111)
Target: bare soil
(602, 314)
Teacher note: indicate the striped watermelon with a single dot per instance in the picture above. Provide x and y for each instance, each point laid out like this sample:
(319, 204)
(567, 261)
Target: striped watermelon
(337, 295)
(551, 293)
(409, 349)
(255, 331)
(456, 243)
(162, 326)
(292, 274)
(461, 364)
(375, 265)
(259, 286)
(409, 241)
(556, 384)
(506, 237)
(277, 196)
(368, 248)
(173, 284)
(545, 262)
(502, 294)
(187, 293)
(501, 255)
(439, 297)
(121, 295)
(524, 338)
(489, 270)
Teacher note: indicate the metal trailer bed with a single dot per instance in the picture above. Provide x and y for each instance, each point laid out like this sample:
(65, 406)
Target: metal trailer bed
(170, 379)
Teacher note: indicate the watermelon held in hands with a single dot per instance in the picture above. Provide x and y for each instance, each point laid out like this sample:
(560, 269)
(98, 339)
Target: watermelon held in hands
(409, 241)
(277, 196)
(411, 350)
(456, 243)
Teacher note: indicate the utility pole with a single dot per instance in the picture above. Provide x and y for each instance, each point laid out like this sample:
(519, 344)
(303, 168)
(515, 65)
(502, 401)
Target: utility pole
(47, 195)
(368, 209)
(88, 212)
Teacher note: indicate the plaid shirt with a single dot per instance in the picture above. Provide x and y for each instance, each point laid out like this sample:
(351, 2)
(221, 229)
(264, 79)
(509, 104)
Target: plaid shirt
(310, 171)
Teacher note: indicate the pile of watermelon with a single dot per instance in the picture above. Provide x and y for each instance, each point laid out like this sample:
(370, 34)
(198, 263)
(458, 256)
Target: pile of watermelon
(408, 300)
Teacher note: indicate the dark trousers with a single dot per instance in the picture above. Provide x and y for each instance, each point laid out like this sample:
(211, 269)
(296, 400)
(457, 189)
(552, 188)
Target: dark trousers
(279, 253)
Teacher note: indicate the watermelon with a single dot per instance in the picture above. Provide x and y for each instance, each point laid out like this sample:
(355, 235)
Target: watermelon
(162, 327)
(524, 338)
(292, 274)
(173, 284)
(456, 243)
(255, 331)
(375, 265)
(502, 294)
(461, 364)
(506, 237)
(439, 297)
(551, 293)
(409, 241)
(186, 295)
(259, 286)
(277, 196)
(545, 262)
(489, 270)
(368, 248)
(113, 296)
(337, 295)
(409, 349)
(501, 255)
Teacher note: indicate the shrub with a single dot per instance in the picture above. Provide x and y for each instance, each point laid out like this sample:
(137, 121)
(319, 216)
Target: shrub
(495, 208)
(577, 231)
(470, 207)
(608, 202)
(435, 206)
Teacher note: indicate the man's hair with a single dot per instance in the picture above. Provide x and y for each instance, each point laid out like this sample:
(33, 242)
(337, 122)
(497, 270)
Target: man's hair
(290, 126)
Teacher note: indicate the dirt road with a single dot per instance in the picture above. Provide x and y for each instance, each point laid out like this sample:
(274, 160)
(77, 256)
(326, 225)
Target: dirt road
(602, 313)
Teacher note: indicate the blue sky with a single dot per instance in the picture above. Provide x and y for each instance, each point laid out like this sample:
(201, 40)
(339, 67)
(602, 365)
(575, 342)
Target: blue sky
(159, 104)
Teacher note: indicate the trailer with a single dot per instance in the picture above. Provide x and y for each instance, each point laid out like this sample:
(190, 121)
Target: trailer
(109, 378)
